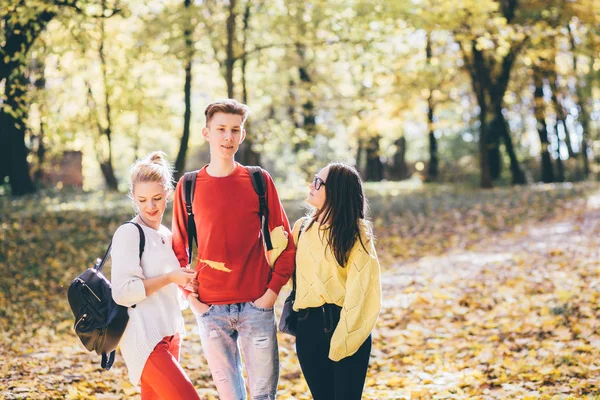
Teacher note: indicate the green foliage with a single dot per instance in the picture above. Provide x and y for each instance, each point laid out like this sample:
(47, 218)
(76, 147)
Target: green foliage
(320, 77)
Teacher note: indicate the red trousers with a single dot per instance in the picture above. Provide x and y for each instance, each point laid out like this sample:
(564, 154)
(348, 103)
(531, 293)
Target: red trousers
(162, 376)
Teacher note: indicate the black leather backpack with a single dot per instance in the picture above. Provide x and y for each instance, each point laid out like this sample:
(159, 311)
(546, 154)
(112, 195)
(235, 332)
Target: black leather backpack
(99, 321)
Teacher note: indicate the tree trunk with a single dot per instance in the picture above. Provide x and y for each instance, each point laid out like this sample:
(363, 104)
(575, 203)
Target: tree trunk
(137, 137)
(360, 148)
(140, 114)
(490, 90)
(187, 91)
(109, 176)
(485, 181)
(584, 116)
(374, 165)
(308, 109)
(500, 125)
(561, 114)
(106, 165)
(230, 62)
(493, 146)
(40, 153)
(399, 170)
(479, 80)
(13, 119)
(432, 168)
(20, 34)
(560, 167)
(561, 117)
(37, 69)
(246, 154)
(540, 116)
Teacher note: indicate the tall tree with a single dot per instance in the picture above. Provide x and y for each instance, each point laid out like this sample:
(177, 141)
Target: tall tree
(106, 156)
(21, 23)
(246, 154)
(187, 88)
(489, 61)
(432, 167)
(38, 88)
(13, 120)
(542, 128)
(581, 99)
(230, 47)
(374, 165)
(559, 108)
(20, 26)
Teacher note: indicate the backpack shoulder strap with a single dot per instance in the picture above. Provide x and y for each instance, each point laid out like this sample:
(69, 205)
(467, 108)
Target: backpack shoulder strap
(302, 225)
(258, 179)
(259, 184)
(101, 261)
(189, 189)
(142, 237)
(141, 251)
(108, 360)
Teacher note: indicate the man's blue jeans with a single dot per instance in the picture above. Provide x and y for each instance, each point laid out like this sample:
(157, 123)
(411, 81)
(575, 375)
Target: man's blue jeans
(220, 327)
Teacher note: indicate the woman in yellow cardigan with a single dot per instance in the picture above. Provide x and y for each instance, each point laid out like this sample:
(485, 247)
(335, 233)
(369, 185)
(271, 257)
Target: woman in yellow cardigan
(338, 289)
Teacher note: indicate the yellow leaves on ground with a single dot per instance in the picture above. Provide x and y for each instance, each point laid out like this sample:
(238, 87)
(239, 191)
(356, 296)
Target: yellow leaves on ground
(486, 295)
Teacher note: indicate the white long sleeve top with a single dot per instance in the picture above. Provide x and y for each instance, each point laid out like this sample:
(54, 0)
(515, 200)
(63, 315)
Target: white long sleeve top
(155, 316)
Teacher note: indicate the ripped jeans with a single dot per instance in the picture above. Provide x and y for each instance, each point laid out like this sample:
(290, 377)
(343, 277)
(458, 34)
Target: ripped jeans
(220, 327)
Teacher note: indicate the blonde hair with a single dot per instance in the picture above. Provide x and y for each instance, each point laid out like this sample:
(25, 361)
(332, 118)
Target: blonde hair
(152, 168)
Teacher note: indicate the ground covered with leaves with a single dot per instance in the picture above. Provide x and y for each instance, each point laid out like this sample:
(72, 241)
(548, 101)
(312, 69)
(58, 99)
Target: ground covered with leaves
(487, 295)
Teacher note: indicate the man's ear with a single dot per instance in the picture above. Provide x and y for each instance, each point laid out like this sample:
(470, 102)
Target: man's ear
(205, 133)
(243, 136)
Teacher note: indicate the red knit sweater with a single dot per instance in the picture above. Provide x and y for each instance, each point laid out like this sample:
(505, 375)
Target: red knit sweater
(230, 258)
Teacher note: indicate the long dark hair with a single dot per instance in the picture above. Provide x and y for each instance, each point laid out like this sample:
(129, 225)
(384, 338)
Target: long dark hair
(344, 209)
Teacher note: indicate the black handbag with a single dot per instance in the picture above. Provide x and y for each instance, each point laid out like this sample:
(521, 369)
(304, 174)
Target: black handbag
(99, 321)
(289, 318)
(288, 323)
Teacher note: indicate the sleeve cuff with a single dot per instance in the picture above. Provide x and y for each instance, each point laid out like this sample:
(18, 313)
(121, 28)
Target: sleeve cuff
(338, 353)
(135, 293)
(275, 285)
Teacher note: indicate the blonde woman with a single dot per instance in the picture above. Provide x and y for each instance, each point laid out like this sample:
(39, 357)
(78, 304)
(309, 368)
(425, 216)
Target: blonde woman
(150, 287)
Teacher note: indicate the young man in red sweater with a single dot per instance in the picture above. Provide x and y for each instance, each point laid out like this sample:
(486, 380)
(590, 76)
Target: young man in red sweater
(236, 285)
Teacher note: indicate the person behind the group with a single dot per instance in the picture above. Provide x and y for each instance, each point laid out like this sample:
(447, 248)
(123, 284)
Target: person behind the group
(236, 285)
(150, 287)
(338, 293)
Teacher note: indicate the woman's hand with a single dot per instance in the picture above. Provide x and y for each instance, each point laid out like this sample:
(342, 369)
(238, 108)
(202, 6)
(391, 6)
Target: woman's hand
(181, 276)
(196, 305)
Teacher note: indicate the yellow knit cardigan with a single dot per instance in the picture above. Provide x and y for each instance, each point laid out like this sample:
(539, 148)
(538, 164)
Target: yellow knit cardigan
(356, 287)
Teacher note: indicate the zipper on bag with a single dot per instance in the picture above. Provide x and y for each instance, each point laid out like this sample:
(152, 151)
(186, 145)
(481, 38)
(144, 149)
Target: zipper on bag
(88, 288)
(79, 320)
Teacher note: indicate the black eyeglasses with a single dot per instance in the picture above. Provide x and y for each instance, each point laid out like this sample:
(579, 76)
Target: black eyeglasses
(318, 182)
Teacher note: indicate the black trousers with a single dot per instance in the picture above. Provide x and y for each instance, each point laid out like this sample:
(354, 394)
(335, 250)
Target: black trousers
(329, 380)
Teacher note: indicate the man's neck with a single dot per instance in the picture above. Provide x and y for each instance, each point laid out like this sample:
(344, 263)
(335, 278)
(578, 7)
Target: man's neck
(220, 168)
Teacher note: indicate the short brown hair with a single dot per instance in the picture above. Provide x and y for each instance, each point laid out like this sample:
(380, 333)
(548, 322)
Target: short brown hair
(226, 106)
